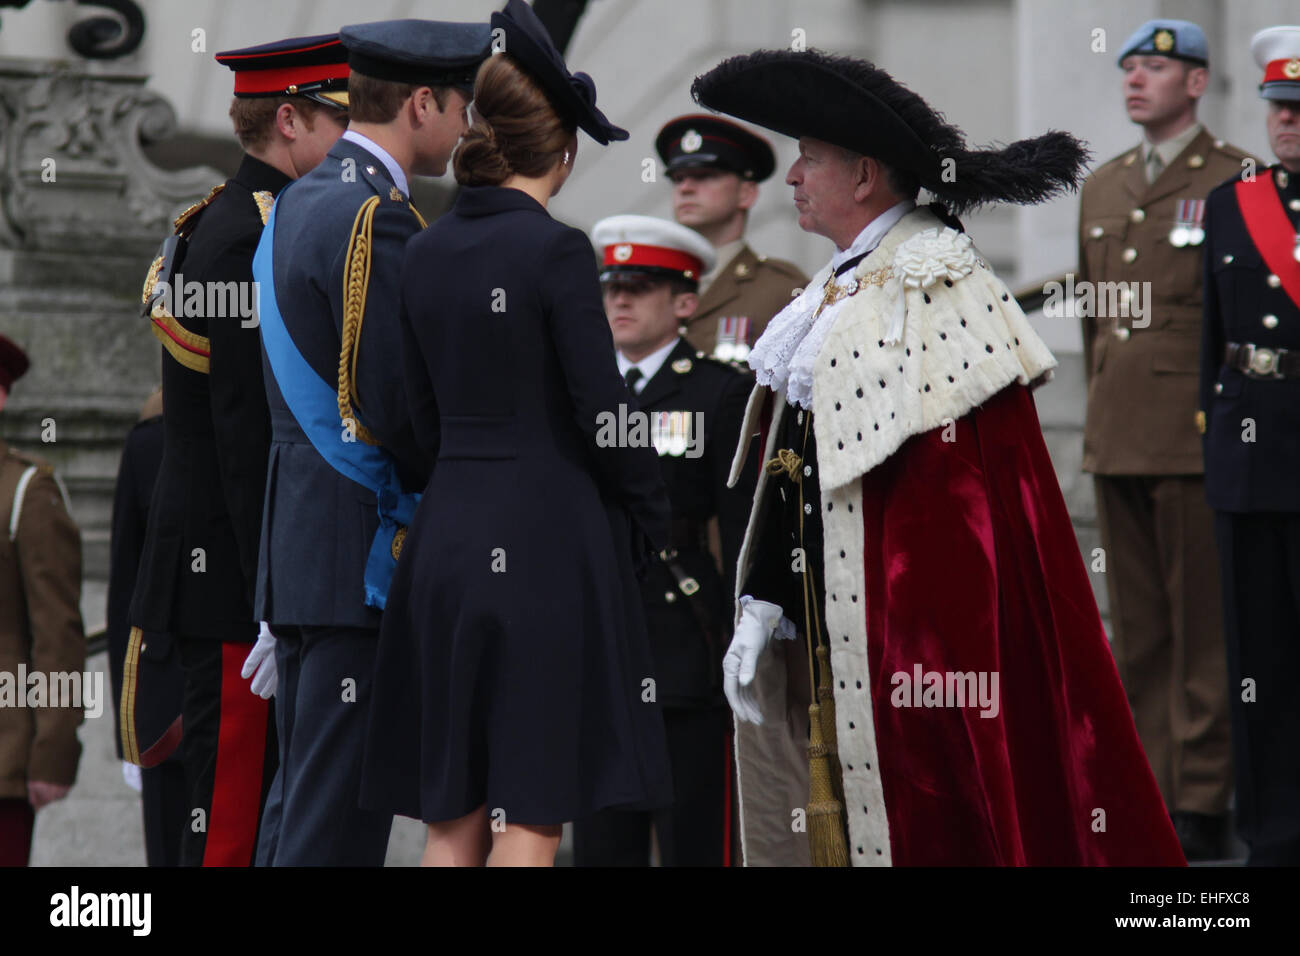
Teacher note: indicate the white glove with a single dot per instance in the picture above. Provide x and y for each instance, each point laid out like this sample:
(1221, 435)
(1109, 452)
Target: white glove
(759, 620)
(260, 665)
(131, 774)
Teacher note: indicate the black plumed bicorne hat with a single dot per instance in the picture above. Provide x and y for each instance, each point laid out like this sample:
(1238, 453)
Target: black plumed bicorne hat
(858, 106)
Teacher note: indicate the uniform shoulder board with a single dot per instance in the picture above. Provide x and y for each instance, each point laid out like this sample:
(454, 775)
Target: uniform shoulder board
(1227, 149)
(782, 266)
(184, 223)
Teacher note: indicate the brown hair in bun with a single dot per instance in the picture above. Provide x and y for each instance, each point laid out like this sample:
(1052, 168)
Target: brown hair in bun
(515, 129)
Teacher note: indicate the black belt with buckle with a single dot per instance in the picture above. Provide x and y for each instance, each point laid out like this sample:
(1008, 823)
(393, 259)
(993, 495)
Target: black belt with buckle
(1258, 362)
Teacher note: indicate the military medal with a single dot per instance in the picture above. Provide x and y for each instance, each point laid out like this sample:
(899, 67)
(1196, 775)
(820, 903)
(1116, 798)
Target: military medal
(725, 349)
(677, 426)
(742, 338)
(659, 432)
(1188, 219)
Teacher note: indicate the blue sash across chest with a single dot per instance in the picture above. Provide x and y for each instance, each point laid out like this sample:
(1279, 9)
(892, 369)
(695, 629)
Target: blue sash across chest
(314, 405)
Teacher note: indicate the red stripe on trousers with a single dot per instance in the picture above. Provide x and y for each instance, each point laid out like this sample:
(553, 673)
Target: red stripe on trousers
(237, 780)
(726, 820)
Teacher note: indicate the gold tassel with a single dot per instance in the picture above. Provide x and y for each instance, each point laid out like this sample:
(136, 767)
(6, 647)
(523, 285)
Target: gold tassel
(825, 813)
(826, 702)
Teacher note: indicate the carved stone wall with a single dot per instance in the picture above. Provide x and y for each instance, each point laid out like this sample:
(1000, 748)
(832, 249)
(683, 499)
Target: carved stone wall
(81, 213)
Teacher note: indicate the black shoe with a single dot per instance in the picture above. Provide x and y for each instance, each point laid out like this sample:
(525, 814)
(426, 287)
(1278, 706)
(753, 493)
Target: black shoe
(1201, 834)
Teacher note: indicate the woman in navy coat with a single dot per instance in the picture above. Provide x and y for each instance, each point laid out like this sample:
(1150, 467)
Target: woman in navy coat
(514, 688)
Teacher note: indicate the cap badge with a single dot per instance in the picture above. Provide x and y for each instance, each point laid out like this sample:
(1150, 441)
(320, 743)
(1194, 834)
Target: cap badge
(623, 252)
(691, 141)
(1196, 162)
(682, 366)
(742, 270)
(1164, 41)
(1291, 69)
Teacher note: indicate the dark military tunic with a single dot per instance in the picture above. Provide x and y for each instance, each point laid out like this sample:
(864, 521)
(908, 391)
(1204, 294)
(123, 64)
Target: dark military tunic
(1252, 470)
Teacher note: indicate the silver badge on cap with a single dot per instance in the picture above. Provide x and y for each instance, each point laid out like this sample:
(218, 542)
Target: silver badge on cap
(691, 141)
(623, 252)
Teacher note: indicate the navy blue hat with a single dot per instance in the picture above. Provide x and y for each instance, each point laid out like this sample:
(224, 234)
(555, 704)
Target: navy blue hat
(572, 94)
(314, 67)
(423, 52)
(700, 140)
(1179, 39)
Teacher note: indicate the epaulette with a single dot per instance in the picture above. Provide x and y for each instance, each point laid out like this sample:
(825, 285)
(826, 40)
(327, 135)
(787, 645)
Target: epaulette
(781, 265)
(184, 223)
(1227, 149)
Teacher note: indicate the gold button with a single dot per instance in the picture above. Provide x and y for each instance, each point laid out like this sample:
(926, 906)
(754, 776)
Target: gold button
(742, 270)
(1227, 259)
(1273, 281)
(1130, 254)
(1096, 232)
(1270, 321)
(1218, 388)
(1218, 144)
(1294, 205)
(1137, 215)
(670, 597)
(1122, 333)
(1196, 162)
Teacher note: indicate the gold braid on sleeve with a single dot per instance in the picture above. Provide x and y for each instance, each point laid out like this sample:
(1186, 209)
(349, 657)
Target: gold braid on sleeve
(356, 279)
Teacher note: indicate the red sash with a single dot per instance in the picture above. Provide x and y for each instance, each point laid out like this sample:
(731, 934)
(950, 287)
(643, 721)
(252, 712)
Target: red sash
(1271, 231)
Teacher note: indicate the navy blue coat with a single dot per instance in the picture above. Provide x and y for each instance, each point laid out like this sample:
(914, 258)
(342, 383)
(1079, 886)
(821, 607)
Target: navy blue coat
(513, 667)
(1264, 474)
(318, 526)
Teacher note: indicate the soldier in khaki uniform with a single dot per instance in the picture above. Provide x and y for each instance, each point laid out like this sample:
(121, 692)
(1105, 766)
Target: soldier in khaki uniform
(715, 166)
(1141, 228)
(40, 631)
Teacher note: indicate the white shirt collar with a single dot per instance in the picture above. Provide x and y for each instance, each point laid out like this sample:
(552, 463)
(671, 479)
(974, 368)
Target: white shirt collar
(874, 231)
(648, 365)
(390, 164)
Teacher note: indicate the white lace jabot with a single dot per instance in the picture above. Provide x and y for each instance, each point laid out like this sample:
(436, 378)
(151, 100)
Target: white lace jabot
(784, 355)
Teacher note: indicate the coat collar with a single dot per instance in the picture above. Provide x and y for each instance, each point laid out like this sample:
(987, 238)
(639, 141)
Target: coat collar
(730, 281)
(667, 381)
(346, 149)
(255, 175)
(1176, 177)
(489, 200)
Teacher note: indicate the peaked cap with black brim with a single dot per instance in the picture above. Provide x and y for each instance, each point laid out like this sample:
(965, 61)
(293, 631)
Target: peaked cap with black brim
(854, 104)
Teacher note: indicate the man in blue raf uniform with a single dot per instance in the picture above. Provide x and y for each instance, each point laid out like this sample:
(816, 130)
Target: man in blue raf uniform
(694, 406)
(1250, 397)
(198, 566)
(344, 464)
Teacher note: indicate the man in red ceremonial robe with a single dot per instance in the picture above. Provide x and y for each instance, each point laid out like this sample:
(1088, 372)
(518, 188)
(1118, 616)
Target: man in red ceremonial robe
(907, 517)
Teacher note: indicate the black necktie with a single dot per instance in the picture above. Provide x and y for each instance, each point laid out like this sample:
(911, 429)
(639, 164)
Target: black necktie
(632, 376)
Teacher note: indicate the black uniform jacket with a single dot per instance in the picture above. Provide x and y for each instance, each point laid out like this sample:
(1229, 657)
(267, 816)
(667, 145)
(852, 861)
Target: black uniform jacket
(199, 565)
(1252, 438)
(688, 644)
